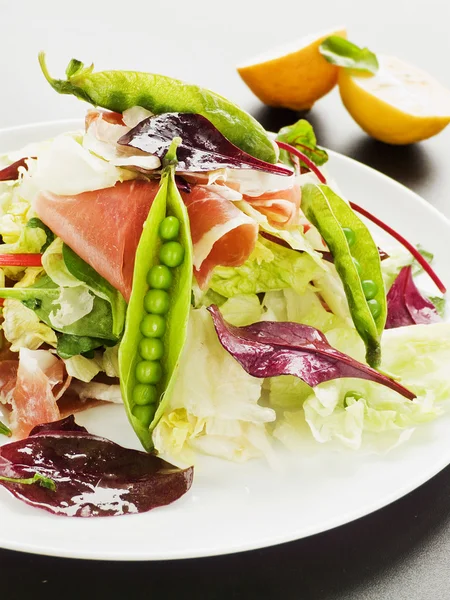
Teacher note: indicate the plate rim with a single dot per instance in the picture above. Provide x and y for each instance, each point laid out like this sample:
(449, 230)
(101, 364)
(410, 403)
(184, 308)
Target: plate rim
(332, 523)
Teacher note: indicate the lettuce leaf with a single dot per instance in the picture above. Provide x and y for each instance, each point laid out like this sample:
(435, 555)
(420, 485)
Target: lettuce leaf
(264, 271)
(215, 409)
(242, 309)
(23, 329)
(358, 413)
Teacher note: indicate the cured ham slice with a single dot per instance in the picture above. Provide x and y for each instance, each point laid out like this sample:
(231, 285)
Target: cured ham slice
(33, 401)
(103, 226)
(8, 376)
(280, 207)
(221, 233)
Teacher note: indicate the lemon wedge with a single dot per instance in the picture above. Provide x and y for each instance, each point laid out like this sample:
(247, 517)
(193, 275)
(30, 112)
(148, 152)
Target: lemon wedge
(400, 104)
(293, 76)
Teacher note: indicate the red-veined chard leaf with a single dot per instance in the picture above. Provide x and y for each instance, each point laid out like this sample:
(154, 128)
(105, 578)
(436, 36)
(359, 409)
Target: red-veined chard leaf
(406, 305)
(68, 471)
(269, 349)
(203, 147)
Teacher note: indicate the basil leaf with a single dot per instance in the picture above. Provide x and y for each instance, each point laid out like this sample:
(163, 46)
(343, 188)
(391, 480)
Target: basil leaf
(301, 135)
(98, 285)
(339, 51)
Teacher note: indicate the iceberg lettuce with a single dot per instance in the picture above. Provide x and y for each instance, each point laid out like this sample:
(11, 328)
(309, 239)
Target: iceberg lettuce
(214, 405)
(270, 267)
(350, 411)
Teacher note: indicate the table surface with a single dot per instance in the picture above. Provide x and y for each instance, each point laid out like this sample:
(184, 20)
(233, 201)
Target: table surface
(400, 552)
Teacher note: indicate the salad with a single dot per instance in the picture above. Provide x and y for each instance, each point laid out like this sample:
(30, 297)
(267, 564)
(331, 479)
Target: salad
(177, 259)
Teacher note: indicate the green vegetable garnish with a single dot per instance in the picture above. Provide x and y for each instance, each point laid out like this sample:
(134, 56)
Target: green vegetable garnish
(4, 430)
(339, 51)
(42, 480)
(357, 263)
(158, 311)
(301, 135)
(120, 90)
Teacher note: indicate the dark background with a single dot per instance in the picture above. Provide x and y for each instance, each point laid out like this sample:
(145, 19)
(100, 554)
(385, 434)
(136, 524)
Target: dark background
(400, 552)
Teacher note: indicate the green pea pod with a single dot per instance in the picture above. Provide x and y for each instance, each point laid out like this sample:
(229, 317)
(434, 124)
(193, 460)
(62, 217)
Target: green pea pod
(119, 90)
(168, 202)
(367, 301)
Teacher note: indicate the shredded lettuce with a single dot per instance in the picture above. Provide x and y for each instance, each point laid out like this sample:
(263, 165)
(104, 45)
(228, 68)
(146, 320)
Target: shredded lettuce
(23, 329)
(214, 406)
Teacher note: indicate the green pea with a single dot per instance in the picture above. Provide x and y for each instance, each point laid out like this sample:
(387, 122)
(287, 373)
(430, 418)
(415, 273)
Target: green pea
(144, 413)
(370, 288)
(350, 235)
(148, 371)
(357, 265)
(151, 348)
(169, 228)
(375, 307)
(171, 254)
(144, 394)
(351, 394)
(153, 326)
(160, 277)
(156, 302)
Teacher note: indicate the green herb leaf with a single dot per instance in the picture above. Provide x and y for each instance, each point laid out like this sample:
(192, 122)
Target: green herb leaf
(98, 285)
(301, 136)
(42, 480)
(331, 215)
(42, 297)
(339, 51)
(4, 430)
(439, 303)
(72, 345)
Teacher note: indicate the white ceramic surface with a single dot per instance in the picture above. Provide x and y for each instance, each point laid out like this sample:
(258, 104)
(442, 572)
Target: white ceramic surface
(241, 507)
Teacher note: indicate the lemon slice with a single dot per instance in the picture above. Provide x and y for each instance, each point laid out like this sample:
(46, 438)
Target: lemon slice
(293, 76)
(399, 105)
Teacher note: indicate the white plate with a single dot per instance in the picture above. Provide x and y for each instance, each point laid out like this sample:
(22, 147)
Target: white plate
(241, 507)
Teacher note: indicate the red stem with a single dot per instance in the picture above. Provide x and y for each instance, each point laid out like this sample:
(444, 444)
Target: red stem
(420, 259)
(308, 162)
(20, 260)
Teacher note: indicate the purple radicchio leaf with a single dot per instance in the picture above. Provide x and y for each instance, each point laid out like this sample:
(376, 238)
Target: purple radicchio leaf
(203, 147)
(11, 172)
(406, 305)
(269, 349)
(94, 477)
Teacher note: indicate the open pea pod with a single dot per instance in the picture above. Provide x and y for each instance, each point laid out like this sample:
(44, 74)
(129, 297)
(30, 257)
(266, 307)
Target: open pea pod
(156, 323)
(357, 262)
(120, 90)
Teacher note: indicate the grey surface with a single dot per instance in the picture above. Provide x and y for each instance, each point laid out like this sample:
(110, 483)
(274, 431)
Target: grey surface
(400, 552)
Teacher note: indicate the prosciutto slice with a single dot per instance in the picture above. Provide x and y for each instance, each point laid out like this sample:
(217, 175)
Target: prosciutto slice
(280, 207)
(33, 401)
(221, 233)
(102, 226)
